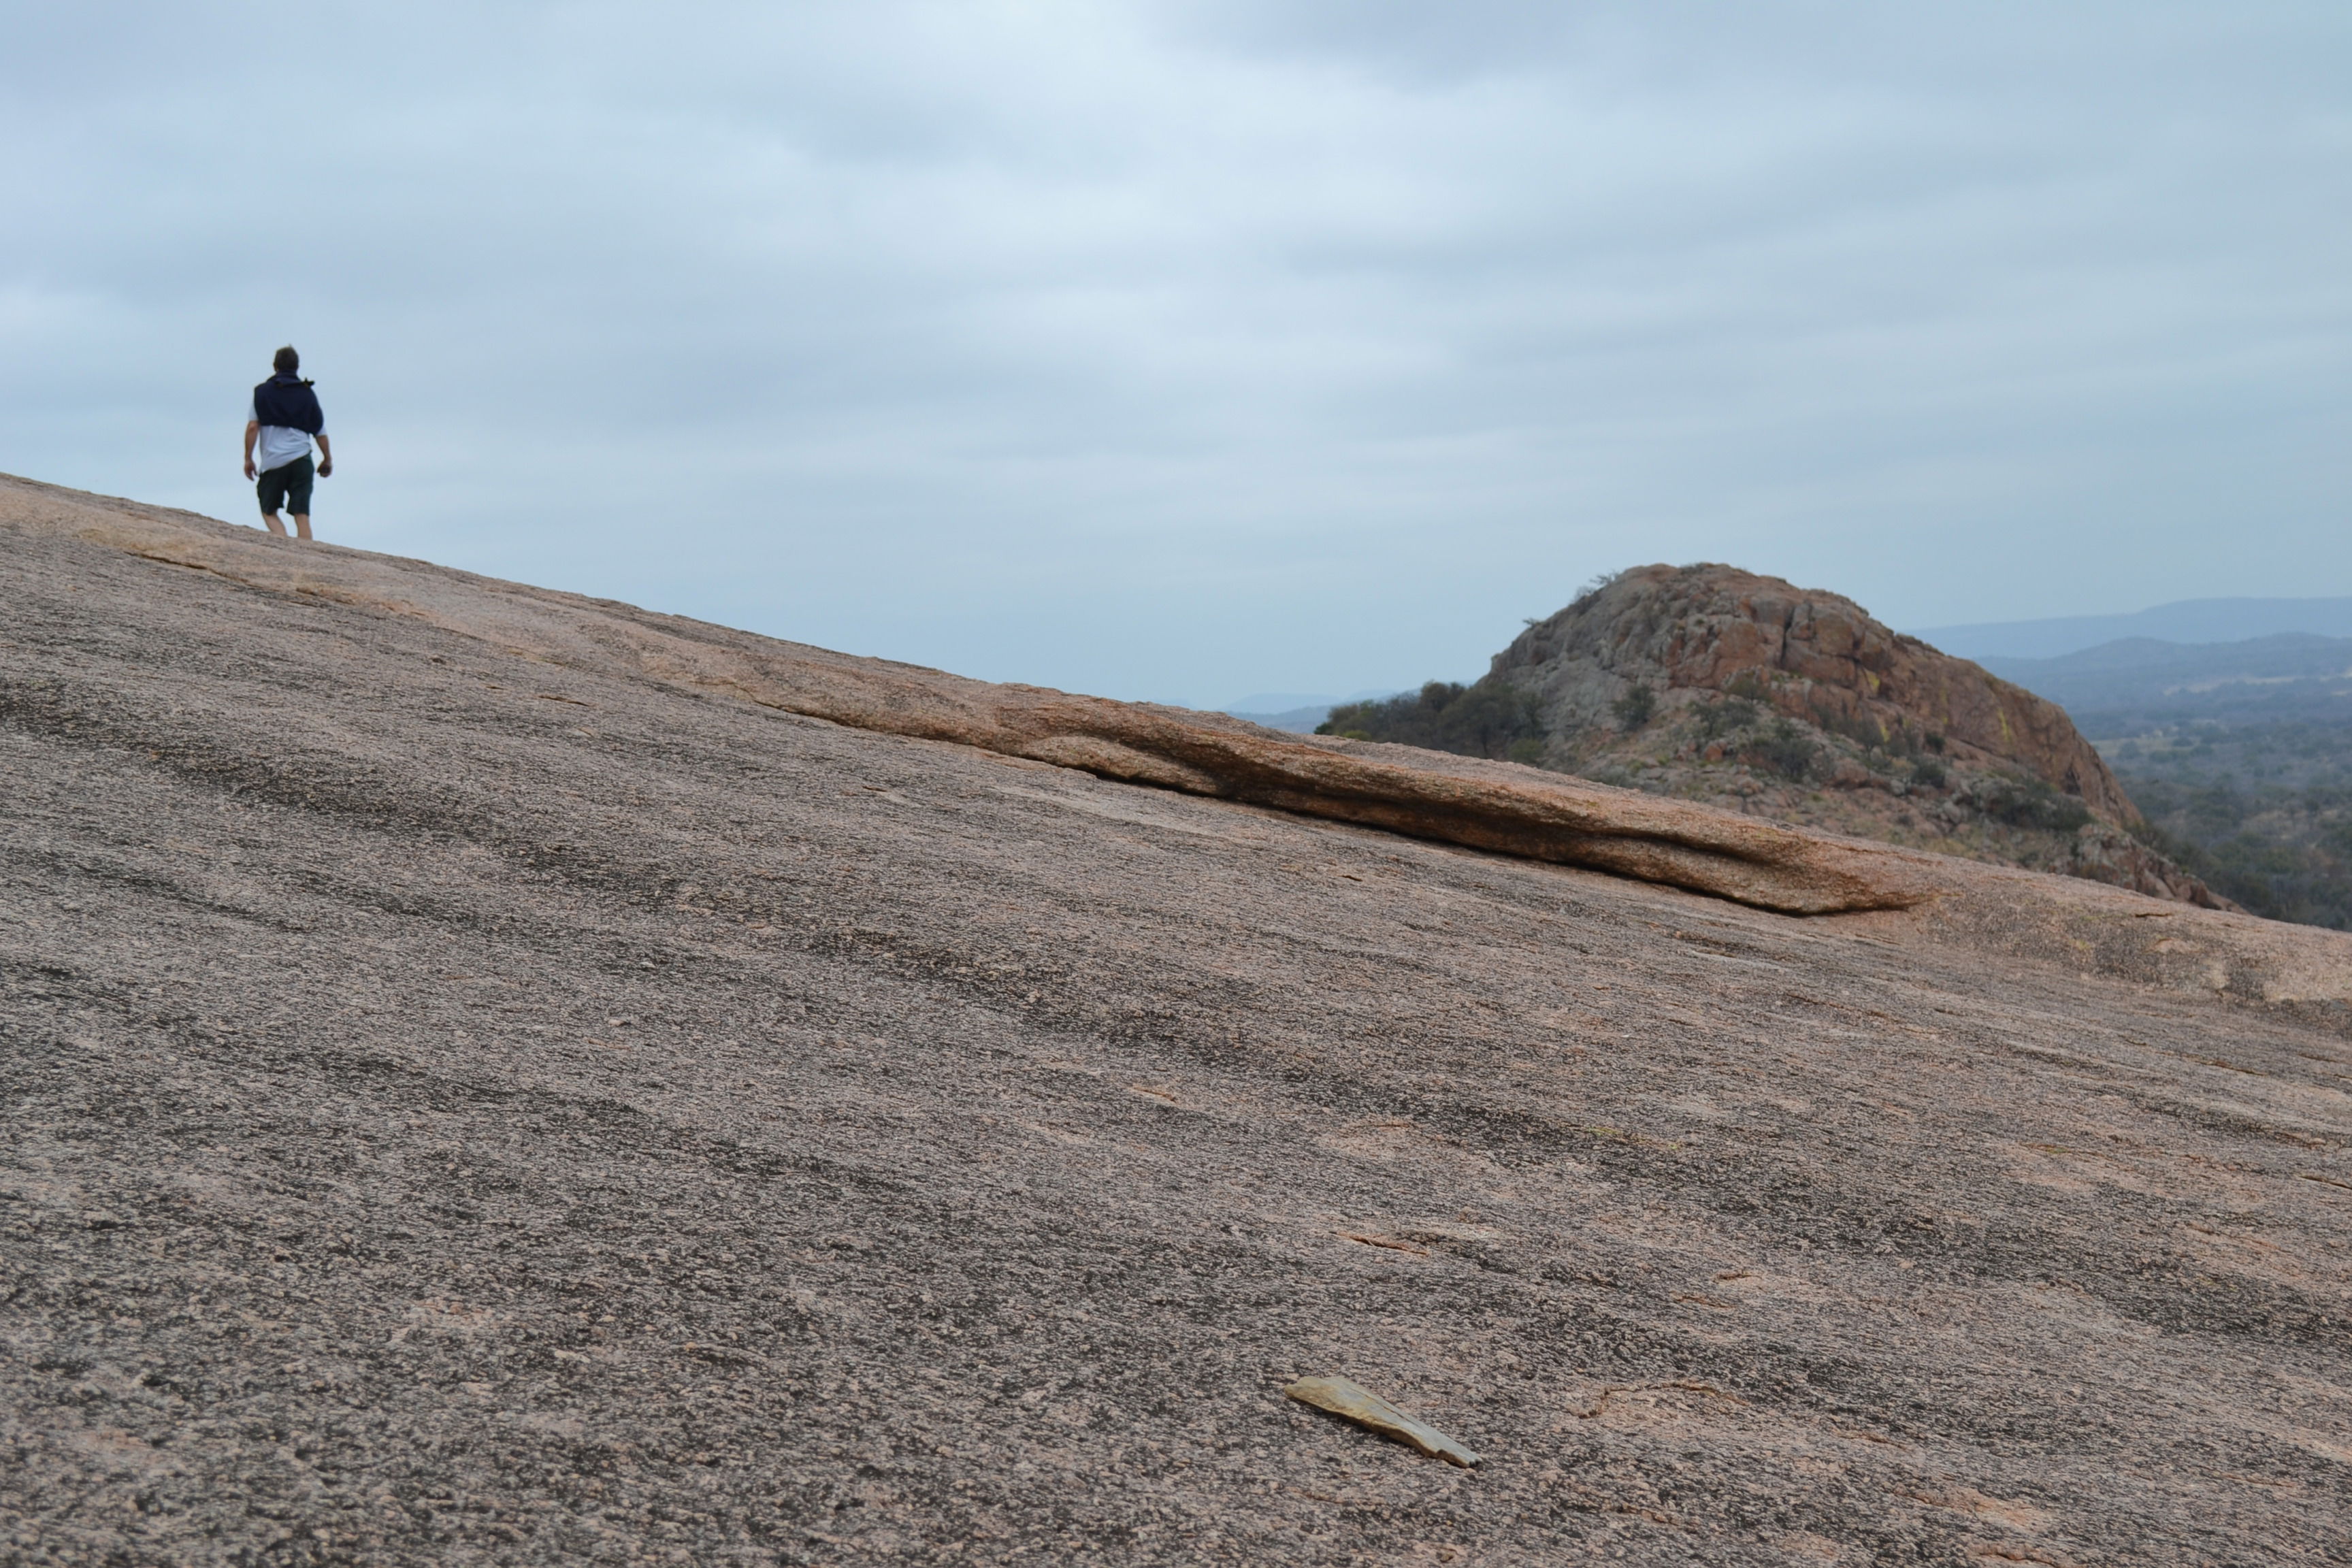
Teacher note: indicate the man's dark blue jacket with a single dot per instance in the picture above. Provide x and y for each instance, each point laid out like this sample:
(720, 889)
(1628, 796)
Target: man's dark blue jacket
(288, 400)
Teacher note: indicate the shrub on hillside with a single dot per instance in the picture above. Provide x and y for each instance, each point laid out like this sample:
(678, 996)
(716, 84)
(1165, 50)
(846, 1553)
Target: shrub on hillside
(1784, 748)
(1591, 589)
(1634, 709)
(1480, 720)
(1860, 728)
(1726, 717)
(2028, 803)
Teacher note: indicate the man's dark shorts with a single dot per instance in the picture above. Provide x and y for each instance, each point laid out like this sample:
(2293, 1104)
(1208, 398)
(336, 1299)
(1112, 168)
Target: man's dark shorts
(287, 487)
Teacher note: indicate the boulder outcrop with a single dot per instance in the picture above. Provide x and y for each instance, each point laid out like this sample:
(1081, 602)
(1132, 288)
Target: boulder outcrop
(1710, 684)
(1692, 633)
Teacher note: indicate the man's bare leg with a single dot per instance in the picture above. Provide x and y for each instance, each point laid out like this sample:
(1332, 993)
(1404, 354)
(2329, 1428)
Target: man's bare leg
(279, 528)
(302, 524)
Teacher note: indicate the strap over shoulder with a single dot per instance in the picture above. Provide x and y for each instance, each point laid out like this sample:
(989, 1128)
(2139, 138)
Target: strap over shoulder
(289, 401)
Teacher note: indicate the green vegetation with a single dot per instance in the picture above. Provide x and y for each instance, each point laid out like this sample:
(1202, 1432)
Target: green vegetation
(1727, 717)
(1864, 732)
(1784, 748)
(1634, 709)
(2024, 801)
(2240, 754)
(1480, 720)
(2262, 812)
(1781, 747)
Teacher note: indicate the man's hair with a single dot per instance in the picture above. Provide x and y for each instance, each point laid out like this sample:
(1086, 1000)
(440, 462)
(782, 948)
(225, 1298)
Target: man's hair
(287, 362)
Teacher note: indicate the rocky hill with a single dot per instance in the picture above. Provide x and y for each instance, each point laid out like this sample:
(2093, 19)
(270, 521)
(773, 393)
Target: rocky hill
(1712, 684)
(488, 1076)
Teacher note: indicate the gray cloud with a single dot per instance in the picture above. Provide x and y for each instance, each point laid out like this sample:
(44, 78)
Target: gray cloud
(1188, 350)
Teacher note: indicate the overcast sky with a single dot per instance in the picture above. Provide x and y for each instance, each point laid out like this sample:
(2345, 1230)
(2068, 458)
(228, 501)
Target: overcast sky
(1184, 350)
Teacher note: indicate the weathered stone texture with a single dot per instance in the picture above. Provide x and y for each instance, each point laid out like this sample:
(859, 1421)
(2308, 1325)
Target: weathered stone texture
(1699, 629)
(483, 1082)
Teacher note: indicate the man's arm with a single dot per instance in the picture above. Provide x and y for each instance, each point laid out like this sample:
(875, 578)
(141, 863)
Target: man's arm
(252, 430)
(326, 455)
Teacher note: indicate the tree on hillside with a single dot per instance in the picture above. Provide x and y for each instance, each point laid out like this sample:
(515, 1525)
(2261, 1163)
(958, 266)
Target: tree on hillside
(1481, 720)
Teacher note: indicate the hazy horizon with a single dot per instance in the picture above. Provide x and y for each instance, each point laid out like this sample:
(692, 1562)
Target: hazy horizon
(1178, 351)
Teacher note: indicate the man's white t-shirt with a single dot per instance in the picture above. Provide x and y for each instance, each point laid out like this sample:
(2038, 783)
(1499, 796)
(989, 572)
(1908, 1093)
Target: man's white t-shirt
(280, 444)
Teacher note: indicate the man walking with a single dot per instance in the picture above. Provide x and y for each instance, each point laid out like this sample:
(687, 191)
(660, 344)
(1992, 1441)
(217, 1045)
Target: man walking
(285, 418)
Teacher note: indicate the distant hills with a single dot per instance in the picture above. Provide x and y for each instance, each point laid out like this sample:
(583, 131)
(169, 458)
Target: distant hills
(2184, 621)
(2000, 645)
(1297, 712)
(2137, 684)
(2239, 753)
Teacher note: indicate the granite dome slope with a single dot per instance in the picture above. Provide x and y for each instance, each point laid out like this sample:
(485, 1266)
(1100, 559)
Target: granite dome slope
(479, 1089)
